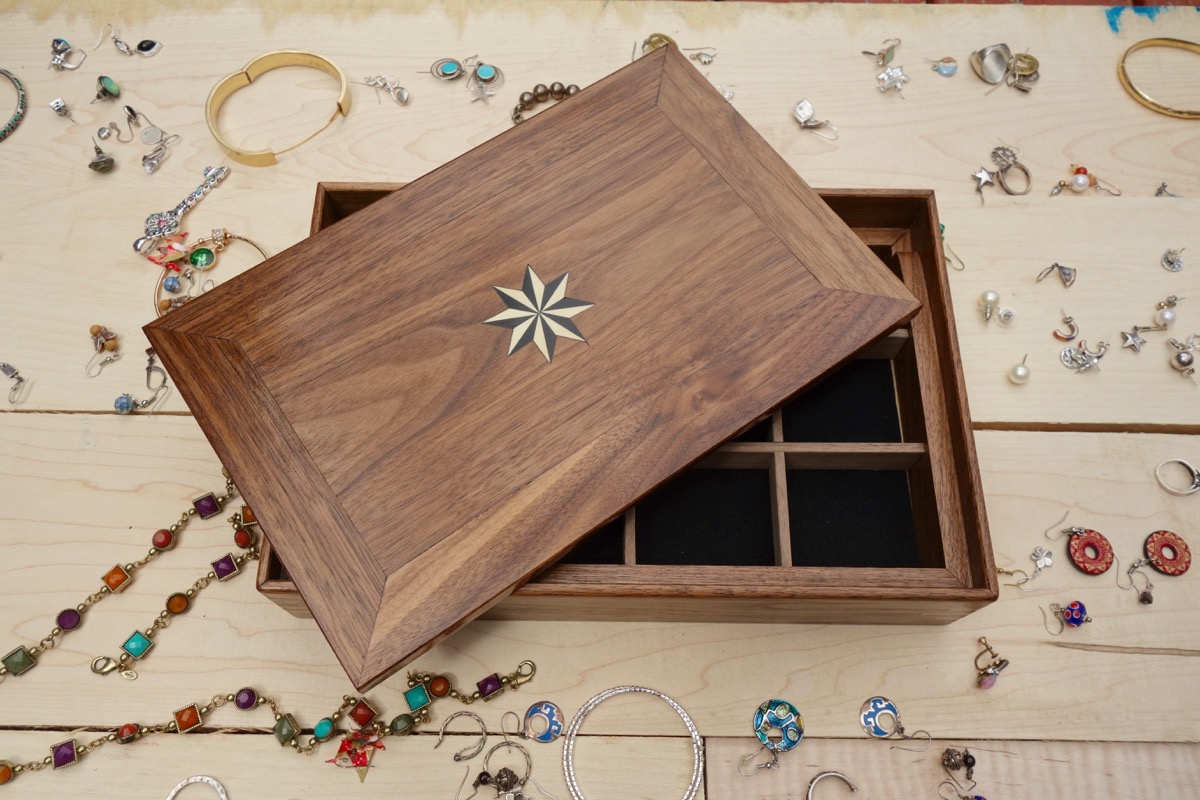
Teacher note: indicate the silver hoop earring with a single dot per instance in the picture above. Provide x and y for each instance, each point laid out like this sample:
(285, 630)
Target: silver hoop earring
(467, 753)
(828, 774)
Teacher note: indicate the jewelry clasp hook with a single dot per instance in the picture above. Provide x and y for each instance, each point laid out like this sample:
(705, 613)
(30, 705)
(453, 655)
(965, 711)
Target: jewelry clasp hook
(524, 673)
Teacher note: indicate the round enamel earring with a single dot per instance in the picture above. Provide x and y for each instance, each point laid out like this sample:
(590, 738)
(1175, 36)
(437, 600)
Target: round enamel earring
(1167, 553)
(1072, 615)
(1089, 550)
(105, 344)
(880, 718)
(989, 673)
(780, 716)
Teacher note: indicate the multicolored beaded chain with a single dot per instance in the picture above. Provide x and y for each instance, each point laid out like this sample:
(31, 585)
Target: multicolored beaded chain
(19, 113)
(117, 579)
(355, 750)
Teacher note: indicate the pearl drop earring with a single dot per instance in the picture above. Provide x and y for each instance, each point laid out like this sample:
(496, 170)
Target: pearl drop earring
(1019, 373)
(1165, 315)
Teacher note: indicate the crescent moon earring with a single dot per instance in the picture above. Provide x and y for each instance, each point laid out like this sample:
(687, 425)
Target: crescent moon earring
(1070, 333)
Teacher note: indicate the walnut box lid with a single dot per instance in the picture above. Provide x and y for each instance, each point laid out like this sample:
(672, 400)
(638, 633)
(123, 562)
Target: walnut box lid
(431, 401)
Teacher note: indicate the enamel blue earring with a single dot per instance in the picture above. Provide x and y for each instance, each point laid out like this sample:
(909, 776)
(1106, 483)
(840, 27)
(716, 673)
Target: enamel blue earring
(784, 719)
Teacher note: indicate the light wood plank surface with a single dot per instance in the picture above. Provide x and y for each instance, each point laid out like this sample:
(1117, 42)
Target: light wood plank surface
(82, 490)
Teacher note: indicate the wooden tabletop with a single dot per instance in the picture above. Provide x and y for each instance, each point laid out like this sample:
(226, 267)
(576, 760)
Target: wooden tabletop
(1110, 710)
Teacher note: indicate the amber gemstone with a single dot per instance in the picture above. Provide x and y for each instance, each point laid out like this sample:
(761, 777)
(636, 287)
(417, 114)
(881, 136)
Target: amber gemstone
(163, 539)
(116, 578)
(187, 718)
(242, 538)
(6, 772)
(248, 516)
(178, 603)
(439, 686)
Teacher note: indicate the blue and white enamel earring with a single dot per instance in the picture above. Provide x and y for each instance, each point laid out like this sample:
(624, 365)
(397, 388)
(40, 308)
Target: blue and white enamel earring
(156, 382)
(543, 722)
(880, 718)
(482, 79)
(946, 67)
(783, 718)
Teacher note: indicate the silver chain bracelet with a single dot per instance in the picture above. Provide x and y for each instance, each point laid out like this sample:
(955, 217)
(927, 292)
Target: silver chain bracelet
(577, 723)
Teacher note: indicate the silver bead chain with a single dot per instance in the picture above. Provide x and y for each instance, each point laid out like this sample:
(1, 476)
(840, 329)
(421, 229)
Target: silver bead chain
(577, 723)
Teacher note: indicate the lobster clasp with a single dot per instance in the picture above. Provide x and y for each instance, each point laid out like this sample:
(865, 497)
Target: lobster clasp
(524, 673)
(103, 665)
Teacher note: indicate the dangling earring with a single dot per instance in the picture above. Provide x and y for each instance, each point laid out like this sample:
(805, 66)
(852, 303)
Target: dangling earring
(1066, 274)
(1089, 550)
(111, 129)
(102, 162)
(779, 715)
(467, 753)
(543, 722)
(146, 47)
(1042, 558)
(156, 382)
(482, 81)
(880, 718)
(105, 344)
(957, 759)
(1072, 615)
(389, 84)
(20, 386)
(1166, 552)
(990, 673)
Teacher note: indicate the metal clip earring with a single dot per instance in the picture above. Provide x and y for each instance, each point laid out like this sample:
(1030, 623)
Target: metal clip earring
(774, 715)
(803, 112)
(466, 753)
(20, 385)
(820, 776)
(60, 55)
(1066, 274)
(988, 674)
(880, 718)
(104, 342)
(102, 161)
(1072, 615)
(1070, 333)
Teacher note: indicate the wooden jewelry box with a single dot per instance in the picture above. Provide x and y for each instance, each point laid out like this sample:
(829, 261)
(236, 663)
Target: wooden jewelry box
(858, 501)
(443, 394)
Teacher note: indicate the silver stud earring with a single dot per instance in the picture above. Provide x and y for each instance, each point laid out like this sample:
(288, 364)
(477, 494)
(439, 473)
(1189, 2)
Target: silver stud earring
(1172, 261)
(59, 107)
(803, 112)
(1019, 373)
(987, 304)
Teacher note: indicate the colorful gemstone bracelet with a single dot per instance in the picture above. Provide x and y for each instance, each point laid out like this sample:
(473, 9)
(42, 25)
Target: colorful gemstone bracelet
(355, 750)
(209, 505)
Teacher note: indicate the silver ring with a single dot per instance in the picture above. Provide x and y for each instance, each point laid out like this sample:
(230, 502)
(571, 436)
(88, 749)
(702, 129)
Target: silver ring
(213, 782)
(1195, 474)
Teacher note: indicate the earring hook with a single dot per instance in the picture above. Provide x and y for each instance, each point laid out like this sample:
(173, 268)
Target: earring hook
(1061, 520)
(1057, 609)
(913, 735)
(467, 753)
(772, 764)
(108, 26)
(828, 774)
(541, 788)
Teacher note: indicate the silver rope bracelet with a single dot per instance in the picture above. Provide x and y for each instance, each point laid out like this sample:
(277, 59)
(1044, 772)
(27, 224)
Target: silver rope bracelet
(577, 723)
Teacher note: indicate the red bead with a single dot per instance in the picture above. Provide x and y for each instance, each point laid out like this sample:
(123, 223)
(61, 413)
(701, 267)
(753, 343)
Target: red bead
(163, 539)
(242, 538)
(362, 713)
(128, 732)
(1081, 170)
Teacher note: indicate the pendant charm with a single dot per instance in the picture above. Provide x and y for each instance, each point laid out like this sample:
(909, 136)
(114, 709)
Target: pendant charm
(1168, 553)
(880, 717)
(1089, 550)
(1081, 359)
(1065, 274)
(165, 223)
(543, 722)
(782, 716)
(946, 67)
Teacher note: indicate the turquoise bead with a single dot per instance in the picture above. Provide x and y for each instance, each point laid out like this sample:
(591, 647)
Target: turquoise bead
(450, 68)
(417, 697)
(137, 645)
(486, 72)
(323, 730)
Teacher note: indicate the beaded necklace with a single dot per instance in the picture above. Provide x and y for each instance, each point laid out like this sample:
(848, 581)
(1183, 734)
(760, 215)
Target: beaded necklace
(354, 751)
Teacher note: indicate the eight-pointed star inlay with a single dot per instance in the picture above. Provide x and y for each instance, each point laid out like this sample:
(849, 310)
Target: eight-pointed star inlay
(539, 313)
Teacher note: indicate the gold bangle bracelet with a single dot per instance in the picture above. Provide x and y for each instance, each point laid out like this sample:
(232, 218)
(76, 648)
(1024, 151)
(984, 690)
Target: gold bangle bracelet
(265, 63)
(1145, 99)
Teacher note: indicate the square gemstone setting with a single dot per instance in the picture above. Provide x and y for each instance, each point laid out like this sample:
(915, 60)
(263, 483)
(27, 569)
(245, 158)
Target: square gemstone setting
(19, 660)
(138, 645)
(225, 567)
(417, 697)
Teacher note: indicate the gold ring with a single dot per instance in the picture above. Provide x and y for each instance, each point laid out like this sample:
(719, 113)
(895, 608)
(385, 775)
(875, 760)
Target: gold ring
(250, 73)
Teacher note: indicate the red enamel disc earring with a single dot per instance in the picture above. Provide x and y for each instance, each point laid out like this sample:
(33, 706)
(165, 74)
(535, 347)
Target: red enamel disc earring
(1089, 550)
(1168, 553)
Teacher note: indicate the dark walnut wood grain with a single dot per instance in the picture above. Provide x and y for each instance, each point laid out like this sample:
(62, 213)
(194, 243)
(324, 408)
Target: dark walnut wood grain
(410, 471)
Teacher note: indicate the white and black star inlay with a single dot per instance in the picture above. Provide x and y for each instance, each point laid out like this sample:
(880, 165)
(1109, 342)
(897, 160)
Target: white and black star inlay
(539, 313)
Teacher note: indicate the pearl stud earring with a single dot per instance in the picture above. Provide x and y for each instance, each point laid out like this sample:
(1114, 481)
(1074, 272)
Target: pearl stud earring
(1019, 373)
(987, 303)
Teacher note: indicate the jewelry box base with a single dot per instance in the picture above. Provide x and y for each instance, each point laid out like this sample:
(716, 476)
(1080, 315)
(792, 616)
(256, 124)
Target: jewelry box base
(859, 501)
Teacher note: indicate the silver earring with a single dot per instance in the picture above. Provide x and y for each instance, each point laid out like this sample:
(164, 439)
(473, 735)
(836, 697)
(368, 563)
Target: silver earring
(1019, 373)
(891, 78)
(1184, 360)
(1081, 359)
(774, 715)
(207, 781)
(1042, 559)
(102, 162)
(156, 382)
(828, 774)
(803, 112)
(1165, 316)
(880, 718)
(1193, 477)
(987, 303)
(146, 47)
(60, 55)
(1172, 261)
(389, 84)
(59, 107)
(467, 753)
(1066, 274)
(705, 56)
(153, 160)
(17, 392)
(990, 673)
(112, 129)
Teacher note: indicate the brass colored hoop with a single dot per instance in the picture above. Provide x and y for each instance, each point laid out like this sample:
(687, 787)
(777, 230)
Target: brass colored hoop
(217, 246)
(1145, 99)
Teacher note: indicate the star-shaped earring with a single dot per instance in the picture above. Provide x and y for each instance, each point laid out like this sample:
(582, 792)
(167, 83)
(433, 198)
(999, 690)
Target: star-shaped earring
(1132, 340)
(983, 178)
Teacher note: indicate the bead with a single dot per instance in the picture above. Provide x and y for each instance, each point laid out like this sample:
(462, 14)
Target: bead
(527, 100)
(572, 89)
(1080, 182)
(116, 578)
(110, 344)
(362, 713)
(187, 718)
(242, 538)
(1081, 171)
(163, 539)
(1075, 614)
(171, 284)
(541, 92)
(246, 699)
(123, 404)
(1145, 598)
(557, 91)
(1165, 317)
(403, 724)
(1183, 361)
(6, 772)
(68, 619)
(1019, 374)
(95, 330)
(968, 761)
(439, 686)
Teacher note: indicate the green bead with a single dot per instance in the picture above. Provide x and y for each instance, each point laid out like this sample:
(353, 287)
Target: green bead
(403, 724)
(286, 729)
(202, 257)
(19, 660)
(110, 86)
(323, 730)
